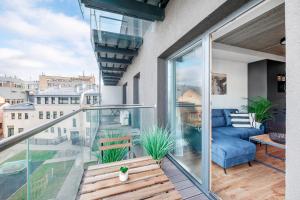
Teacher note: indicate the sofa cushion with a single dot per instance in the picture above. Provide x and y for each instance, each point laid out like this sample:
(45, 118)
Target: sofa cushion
(228, 151)
(241, 133)
(218, 122)
(218, 119)
(227, 113)
(229, 147)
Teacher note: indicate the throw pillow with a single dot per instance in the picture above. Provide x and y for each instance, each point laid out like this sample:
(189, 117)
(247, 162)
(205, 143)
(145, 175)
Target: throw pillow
(227, 117)
(240, 120)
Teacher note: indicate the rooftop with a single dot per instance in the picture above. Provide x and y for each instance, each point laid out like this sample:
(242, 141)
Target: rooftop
(20, 106)
(55, 91)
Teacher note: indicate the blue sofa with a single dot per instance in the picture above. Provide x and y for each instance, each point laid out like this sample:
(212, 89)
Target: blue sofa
(230, 145)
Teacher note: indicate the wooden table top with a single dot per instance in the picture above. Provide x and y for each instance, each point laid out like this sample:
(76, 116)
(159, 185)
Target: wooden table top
(146, 180)
(265, 139)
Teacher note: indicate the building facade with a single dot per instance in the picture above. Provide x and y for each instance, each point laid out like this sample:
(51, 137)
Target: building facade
(63, 81)
(12, 90)
(49, 105)
(199, 56)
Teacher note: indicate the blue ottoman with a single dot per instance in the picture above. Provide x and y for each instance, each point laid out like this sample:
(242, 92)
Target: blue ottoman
(229, 151)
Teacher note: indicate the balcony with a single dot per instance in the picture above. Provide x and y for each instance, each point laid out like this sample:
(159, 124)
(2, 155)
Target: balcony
(116, 42)
(49, 161)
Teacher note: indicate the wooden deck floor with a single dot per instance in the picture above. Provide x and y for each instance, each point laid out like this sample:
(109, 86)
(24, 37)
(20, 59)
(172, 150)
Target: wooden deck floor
(251, 183)
(185, 187)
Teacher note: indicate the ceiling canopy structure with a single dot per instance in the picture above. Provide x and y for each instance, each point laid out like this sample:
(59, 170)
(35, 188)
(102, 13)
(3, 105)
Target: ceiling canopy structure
(265, 33)
(116, 41)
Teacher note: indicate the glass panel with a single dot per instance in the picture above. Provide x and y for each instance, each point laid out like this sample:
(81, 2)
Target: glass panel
(186, 86)
(122, 121)
(13, 171)
(56, 161)
(50, 164)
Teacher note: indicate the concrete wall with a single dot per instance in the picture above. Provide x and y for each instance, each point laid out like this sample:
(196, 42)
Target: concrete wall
(237, 84)
(181, 16)
(112, 95)
(292, 99)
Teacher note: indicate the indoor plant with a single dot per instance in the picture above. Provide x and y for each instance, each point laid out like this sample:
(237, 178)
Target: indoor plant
(261, 107)
(123, 174)
(157, 142)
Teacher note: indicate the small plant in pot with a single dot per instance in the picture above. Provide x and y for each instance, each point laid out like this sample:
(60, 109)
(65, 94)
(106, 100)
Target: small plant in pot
(123, 174)
(157, 142)
(261, 107)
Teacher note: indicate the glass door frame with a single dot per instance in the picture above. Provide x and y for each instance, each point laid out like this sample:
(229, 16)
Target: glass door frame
(200, 42)
(205, 39)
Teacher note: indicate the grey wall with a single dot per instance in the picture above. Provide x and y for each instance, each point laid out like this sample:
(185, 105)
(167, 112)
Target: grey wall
(257, 79)
(292, 99)
(278, 98)
(262, 81)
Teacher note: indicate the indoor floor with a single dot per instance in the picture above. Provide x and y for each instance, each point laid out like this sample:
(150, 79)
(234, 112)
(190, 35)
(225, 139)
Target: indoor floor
(256, 182)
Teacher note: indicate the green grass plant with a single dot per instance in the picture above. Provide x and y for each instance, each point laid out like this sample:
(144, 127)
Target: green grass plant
(157, 142)
(112, 155)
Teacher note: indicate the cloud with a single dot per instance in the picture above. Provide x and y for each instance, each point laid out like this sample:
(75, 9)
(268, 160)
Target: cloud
(42, 40)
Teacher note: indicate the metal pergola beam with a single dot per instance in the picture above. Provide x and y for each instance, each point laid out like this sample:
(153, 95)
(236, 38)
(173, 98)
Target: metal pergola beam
(114, 60)
(110, 82)
(129, 8)
(127, 52)
(113, 69)
(111, 75)
(107, 78)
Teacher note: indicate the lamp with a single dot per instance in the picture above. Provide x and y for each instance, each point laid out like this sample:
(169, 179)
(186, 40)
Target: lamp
(282, 41)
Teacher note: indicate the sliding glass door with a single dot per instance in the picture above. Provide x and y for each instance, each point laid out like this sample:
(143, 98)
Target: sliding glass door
(185, 108)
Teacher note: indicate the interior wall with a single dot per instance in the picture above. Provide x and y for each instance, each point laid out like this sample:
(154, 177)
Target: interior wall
(237, 84)
(257, 79)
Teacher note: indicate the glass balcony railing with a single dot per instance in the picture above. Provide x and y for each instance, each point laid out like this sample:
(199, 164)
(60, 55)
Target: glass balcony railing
(47, 162)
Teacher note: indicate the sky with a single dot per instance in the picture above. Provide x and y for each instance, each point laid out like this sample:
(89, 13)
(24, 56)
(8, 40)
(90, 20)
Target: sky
(44, 36)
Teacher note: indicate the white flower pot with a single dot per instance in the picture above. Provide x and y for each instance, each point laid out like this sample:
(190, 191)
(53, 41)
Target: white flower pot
(123, 176)
(257, 125)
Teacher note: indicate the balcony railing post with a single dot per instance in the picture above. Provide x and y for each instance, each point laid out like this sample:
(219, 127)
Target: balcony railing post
(28, 169)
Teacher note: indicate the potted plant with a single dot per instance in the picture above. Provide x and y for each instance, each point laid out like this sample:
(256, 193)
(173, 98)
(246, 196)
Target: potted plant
(157, 142)
(123, 174)
(261, 107)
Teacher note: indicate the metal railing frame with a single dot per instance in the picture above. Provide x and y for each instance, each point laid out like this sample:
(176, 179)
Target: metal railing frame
(13, 140)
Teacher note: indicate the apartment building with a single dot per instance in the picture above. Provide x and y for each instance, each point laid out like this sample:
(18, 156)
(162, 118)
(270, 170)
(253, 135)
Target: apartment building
(49, 105)
(200, 62)
(46, 81)
(12, 90)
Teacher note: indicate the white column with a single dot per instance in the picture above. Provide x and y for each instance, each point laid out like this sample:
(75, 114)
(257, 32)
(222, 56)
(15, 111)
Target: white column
(292, 16)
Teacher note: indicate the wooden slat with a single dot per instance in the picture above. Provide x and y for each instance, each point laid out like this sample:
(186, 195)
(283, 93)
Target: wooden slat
(145, 192)
(123, 162)
(171, 195)
(117, 168)
(115, 181)
(115, 146)
(93, 179)
(123, 188)
(124, 138)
